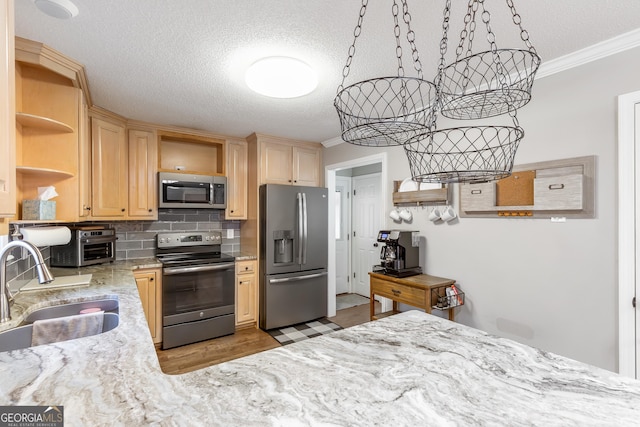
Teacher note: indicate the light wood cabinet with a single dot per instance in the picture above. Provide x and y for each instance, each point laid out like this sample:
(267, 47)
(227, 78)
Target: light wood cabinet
(237, 163)
(149, 283)
(143, 168)
(289, 163)
(7, 114)
(109, 182)
(84, 134)
(246, 293)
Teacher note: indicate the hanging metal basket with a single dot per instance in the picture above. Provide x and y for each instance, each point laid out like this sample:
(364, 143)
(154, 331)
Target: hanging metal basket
(488, 84)
(464, 154)
(385, 111)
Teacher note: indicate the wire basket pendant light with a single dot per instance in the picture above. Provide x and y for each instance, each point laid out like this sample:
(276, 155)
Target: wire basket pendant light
(476, 86)
(386, 111)
(491, 82)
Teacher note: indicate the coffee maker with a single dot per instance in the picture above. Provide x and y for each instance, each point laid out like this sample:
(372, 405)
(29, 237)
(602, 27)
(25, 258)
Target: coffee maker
(400, 255)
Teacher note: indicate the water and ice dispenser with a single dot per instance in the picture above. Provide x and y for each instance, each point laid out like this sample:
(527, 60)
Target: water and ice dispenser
(283, 246)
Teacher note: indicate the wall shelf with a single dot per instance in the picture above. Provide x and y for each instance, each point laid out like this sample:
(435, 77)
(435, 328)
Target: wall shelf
(438, 195)
(44, 123)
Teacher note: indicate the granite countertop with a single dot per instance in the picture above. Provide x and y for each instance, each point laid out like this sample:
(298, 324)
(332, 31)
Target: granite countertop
(408, 369)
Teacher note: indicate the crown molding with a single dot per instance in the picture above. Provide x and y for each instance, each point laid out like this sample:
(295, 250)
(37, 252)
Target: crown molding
(594, 52)
(580, 57)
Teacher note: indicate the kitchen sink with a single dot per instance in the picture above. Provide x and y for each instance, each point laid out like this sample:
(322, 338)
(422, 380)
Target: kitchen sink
(20, 337)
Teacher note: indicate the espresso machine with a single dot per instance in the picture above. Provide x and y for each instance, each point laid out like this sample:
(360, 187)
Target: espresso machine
(400, 255)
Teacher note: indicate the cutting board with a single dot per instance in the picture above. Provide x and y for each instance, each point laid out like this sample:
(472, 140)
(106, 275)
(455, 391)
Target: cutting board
(58, 282)
(516, 190)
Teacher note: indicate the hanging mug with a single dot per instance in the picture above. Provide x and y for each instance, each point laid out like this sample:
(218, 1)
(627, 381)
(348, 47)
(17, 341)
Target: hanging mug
(406, 215)
(448, 214)
(395, 215)
(434, 215)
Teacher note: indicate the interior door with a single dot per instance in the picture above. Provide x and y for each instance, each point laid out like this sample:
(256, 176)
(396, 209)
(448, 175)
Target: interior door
(342, 216)
(366, 205)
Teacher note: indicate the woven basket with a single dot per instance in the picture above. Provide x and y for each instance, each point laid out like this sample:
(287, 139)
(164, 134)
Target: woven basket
(488, 84)
(464, 154)
(385, 111)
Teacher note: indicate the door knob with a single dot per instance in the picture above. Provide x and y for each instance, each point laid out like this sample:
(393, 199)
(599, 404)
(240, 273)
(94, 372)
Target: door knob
(375, 245)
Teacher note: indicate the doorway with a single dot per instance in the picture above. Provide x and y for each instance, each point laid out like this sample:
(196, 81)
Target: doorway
(335, 176)
(628, 227)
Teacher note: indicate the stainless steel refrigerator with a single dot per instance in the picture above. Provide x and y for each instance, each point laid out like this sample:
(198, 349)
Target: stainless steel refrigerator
(293, 254)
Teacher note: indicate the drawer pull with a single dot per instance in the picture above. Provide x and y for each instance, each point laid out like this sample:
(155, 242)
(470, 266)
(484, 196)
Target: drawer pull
(556, 186)
(476, 191)
(396, 292)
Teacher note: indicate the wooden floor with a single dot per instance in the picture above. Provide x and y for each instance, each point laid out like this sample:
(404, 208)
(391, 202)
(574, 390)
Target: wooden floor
(243, 343)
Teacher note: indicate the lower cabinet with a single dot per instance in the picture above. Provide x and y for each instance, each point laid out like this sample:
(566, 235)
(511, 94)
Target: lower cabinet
(246, 293)
(149, 282)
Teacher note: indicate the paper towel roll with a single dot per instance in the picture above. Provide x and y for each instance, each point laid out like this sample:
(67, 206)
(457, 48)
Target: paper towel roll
(46, 236)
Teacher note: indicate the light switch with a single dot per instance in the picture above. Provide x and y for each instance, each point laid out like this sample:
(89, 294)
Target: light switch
(230, 233)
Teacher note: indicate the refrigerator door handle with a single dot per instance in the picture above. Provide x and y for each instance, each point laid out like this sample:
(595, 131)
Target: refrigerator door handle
(300, 229)
(304, 227)
(297, 278)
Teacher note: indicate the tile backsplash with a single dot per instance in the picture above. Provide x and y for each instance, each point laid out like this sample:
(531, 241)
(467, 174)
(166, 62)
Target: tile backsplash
(136, 239)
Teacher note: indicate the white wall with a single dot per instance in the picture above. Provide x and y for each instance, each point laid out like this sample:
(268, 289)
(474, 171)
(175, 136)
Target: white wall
(549, 285)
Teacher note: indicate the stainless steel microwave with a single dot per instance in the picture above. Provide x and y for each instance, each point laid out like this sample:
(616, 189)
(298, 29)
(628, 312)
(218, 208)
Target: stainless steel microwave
(179, 190)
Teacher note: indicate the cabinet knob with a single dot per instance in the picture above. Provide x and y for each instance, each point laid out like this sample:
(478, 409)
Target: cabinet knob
(151, 279)
(289, 180)
(150, 210)
(122, 209)
(88, 208)
(231, 211)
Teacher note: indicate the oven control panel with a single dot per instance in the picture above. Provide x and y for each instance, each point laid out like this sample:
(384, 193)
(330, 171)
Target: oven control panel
(189, 238)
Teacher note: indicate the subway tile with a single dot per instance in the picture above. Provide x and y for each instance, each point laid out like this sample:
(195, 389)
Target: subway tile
(157, 226)
(199, 217)
(128, 245)
(168, 217)
(184, 226)
(142, 235)
(121, 255)
(141, 253)
(149, 244)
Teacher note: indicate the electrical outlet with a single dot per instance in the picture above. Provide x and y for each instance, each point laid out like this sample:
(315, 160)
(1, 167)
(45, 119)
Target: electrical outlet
(230, 233)
(558, 219)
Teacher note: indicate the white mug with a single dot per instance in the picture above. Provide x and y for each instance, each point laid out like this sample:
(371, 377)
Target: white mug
(406, 215)
(434, 215)
(395, 215)
(448, 214)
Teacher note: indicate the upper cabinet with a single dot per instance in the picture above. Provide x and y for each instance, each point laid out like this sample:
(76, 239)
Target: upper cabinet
(143, 168)
(50, 126)
(7, 114)
(109, 183)
(288, 162)
(191, 153)
(237, 175)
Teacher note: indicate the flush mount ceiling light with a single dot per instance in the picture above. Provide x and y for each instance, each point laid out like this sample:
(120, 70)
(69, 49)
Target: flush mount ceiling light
(281, 77)
(61, 9)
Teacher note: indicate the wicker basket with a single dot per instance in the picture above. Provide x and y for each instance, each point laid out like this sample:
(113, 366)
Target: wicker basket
(488, 84)
(385, 111)
(464, 154)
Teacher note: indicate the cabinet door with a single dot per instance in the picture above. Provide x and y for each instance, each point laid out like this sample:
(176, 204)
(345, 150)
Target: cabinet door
(7, 113)
(109, 187)
(237, 180)
(276, 163)
(84, 165)
(246, 292)
(306, 166)
(143, 168)
(150, 290)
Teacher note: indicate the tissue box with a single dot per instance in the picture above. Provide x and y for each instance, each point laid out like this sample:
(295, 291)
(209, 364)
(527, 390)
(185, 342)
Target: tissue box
(38, 209)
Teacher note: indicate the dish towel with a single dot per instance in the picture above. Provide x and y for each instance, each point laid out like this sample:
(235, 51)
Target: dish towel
(47, 331)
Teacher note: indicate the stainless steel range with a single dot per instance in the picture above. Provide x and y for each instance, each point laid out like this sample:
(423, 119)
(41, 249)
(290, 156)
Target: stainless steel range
(198, 288)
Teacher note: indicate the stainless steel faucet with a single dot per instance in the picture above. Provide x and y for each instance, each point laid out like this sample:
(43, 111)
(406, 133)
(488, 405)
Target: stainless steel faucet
(44, 275)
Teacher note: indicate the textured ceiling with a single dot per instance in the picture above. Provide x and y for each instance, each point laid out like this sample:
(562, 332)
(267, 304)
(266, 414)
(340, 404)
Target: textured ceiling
(182, 62)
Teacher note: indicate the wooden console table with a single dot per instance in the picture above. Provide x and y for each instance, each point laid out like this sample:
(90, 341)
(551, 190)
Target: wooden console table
(413, 290)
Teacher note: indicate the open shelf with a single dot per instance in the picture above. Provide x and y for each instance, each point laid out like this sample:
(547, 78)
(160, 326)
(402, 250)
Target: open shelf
(44, 123)
(27, 170)
(438, 195)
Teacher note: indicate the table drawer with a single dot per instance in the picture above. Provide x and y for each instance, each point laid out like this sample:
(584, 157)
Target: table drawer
(401, 293)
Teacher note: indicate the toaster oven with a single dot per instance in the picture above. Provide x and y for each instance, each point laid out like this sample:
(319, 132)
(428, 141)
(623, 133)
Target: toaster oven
(89, 245)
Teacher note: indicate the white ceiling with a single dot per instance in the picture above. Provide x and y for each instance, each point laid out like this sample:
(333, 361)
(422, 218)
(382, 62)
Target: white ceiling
(182, 62)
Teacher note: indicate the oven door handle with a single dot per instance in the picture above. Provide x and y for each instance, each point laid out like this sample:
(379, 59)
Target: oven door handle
(179, 270)
(295, 279)
(97, 240)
